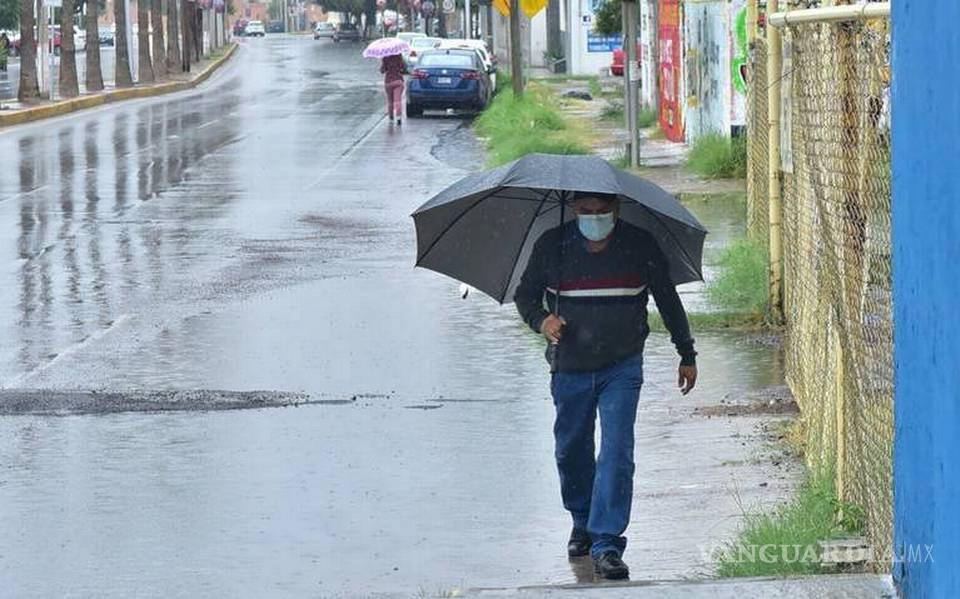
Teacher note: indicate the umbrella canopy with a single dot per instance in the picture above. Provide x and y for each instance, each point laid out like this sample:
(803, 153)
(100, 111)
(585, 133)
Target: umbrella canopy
(386, 46)
(481, 229)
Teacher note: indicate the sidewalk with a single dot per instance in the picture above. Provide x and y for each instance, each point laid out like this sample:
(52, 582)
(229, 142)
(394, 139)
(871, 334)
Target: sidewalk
(804, 587)
(662, 161)
(16, 113)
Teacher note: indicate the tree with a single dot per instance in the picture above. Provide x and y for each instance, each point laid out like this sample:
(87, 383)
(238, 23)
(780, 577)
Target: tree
(159, 59)
(354, 9)
(608, 19)
(554, 35)
(9, 14)
(173, 37)
(69, 88)
(144, 68)
(29, 90)
(123, 77)
(94, 73)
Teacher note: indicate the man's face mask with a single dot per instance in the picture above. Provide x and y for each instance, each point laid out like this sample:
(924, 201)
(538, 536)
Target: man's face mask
(596, 227)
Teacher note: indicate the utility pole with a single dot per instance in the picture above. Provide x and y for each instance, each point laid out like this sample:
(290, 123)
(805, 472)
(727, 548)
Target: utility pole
(468, 33)
(774, 67)
(654, 57)
(516, 49)
(631, 76)
(44, 73)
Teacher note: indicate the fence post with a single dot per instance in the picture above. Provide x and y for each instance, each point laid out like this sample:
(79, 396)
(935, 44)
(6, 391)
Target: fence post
(752, 91)
(752, 13)
(840, 421)
(774, 64)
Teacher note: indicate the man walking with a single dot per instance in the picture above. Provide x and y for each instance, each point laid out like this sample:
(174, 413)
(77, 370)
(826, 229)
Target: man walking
(585, 289)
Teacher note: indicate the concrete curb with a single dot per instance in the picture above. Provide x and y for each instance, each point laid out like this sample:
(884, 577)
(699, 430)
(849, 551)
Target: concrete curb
(29, 115)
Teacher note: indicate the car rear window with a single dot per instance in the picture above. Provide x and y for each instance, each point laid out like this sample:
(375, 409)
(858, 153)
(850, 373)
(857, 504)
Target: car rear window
(422, 42)
(454, 61)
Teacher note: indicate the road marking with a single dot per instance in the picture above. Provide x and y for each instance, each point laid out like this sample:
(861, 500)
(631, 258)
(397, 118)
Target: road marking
(377, 121)
(18, 381)
(25, 193)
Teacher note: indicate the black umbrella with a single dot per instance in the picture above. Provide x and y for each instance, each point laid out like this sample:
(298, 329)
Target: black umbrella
(481, 229)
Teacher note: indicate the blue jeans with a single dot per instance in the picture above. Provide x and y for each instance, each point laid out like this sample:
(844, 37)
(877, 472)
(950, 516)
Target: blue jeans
(598, 491)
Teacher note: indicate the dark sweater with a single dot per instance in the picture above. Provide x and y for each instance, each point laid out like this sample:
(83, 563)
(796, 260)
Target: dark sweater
(603, 296)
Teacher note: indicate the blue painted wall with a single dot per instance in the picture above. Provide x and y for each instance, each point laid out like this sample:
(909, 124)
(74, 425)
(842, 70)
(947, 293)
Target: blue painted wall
(926, 271)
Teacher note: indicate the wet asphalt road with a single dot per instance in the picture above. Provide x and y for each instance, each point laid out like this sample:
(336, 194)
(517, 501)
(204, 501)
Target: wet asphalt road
(253, 236)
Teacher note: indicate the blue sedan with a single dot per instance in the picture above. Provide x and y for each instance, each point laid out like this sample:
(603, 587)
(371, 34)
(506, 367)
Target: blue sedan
(448, 79)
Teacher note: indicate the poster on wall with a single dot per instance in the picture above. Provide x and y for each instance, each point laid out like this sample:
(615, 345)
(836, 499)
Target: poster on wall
(739, 59)
(603, 43)
(671, 117)
(648, 87)
(706, 69)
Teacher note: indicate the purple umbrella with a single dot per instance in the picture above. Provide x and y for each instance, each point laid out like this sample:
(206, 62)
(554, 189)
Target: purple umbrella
(387, 46)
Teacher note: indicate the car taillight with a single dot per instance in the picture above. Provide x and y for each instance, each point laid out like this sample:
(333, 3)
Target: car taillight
(413, 52)
(470, 75)
(419, 74)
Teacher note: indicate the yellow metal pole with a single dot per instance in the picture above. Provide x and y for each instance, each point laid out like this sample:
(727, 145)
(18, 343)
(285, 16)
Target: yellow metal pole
(752, 92)
(774, 67)
(840, 404)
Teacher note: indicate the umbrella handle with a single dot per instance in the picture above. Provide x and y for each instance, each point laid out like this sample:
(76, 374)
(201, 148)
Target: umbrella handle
(555, 347)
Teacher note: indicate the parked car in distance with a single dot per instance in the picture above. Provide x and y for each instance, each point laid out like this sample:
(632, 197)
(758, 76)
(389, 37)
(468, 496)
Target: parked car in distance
(409, 36)
(486, 57)
(452, 78)
(254, 28)
(346, 32)
(106, 36)
(323, 30)
(79, 40)
(418, 45)
(620, 59)
(275, 27)
(15, 43)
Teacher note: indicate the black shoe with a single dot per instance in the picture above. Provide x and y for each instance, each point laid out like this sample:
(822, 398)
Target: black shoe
(610, 566)
(579, 543)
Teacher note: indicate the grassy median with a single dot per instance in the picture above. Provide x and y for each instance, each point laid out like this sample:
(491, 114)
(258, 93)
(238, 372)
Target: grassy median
(513, 127)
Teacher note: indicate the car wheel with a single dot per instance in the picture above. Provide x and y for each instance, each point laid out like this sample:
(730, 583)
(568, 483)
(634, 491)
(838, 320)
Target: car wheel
(414, 110)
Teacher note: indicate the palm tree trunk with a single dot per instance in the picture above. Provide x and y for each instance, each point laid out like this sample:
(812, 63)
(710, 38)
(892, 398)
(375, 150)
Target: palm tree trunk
(69, 88)
(144, 68)
(173, 37)
(29, 86)
(159, 58)
(94, 74)
(123, 77)
(197, 28)
(187, 35)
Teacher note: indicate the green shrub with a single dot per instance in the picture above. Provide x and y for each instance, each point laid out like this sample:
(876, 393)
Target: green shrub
(647, 118)
(716, 156)
(612, 111)
(794, 531)
(741, 285)
(504, 80)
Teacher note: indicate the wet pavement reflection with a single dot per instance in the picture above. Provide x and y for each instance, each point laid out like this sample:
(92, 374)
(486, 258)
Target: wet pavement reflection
(254, 235)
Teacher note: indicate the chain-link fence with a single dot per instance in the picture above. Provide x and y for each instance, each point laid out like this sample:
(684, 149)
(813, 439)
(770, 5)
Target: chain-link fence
(836, 245)
(758, 211)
